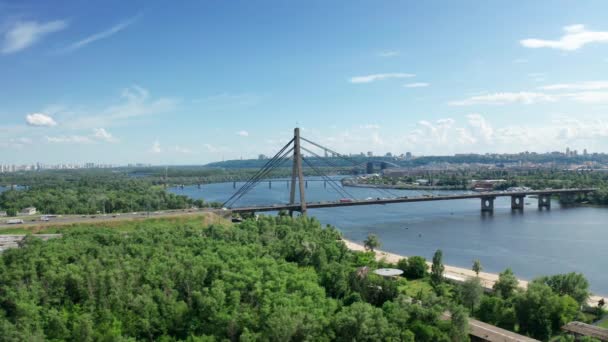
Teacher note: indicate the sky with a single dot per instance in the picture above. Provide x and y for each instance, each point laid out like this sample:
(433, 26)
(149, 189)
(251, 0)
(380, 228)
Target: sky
(193, 82)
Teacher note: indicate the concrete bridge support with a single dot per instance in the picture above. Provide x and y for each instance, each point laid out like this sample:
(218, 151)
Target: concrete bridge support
(544, 201)
(517, 202)
(487, 204)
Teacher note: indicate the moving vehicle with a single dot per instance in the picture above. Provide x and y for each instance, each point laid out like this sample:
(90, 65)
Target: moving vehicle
(345, 200)
(14, 221)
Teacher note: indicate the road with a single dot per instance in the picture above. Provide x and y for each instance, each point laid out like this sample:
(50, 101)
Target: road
(35, 220)
(428, 198)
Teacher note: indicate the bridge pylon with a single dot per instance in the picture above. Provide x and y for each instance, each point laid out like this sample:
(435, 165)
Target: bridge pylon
(297, 172)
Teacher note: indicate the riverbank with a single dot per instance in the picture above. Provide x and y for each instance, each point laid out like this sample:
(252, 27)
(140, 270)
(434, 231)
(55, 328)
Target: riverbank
(453, 273)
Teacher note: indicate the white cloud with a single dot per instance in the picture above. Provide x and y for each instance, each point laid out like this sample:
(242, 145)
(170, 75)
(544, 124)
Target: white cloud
(416, 85)
(242, 133)
(102, 134)
(481, 127)
(26, 33)
(135, 102)
(520, 61)
(589, 97)
(388, 53)
(378, 77)
(100, 35)
(182, 150)
(370, 126)
(589, 85)
(575, 37)
(40, 120)
(505, 98)
(155, 147)
(70, 139)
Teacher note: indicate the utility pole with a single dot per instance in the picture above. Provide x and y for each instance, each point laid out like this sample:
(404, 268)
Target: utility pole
(297, 172)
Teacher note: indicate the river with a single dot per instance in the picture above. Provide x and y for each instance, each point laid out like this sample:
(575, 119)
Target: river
(532, 243)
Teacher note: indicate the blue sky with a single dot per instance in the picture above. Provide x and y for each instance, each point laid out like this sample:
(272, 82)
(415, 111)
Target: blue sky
(141, 81)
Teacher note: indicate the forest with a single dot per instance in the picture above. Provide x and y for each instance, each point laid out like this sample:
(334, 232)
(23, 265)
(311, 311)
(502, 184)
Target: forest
(88, 192)
(266, 279)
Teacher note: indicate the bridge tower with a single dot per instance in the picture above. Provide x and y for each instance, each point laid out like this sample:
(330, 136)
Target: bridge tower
(297, 172)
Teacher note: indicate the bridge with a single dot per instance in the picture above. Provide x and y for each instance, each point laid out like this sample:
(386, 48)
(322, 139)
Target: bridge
(292, 152)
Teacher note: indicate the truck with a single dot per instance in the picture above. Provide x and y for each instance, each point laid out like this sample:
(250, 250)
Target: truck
(14, 221)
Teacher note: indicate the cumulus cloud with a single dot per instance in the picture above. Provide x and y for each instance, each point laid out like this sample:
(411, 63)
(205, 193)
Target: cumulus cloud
(589, 85)
(23, 34)
(100, 35)
(378, 77)
(370, 126)
(474, 133)
(522, 97)
(102, 134)
(182, 150)
(242, 133)
(40, 120)
(574, 38)
(416, 85)
(70, 139)
(155, 147)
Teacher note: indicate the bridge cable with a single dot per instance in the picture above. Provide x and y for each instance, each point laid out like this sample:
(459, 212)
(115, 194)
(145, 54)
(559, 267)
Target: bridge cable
(277, 163)
(332, 183)
(381, 191)
(354, 162)
(257, 175)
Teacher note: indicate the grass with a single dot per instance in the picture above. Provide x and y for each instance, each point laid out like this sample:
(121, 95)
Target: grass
(414, 287)
(603, 324)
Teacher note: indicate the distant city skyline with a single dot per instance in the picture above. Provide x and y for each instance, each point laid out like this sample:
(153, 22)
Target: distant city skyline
(138, 82)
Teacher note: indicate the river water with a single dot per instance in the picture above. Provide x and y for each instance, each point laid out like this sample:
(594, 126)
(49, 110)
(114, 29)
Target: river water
(532, 243)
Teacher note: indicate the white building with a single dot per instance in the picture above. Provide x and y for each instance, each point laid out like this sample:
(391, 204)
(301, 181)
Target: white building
(28, 211)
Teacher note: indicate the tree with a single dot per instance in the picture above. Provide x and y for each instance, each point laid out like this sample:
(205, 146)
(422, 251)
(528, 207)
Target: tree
(573, 284)
(541, 312)
(459, 327)
(372, 242)
(506, 284)
(437, 268)
(471, 292)
(360, 322)
(477, 266)
(414, 267)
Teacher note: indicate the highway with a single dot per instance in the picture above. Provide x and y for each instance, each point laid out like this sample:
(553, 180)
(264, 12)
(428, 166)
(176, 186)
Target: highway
(35, 220)
(382, 201)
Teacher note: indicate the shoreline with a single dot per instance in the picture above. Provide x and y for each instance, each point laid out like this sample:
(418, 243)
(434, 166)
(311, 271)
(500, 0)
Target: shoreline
(454, 273)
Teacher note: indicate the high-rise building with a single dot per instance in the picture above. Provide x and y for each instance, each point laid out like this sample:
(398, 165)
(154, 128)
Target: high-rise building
(370, 154)
(408, 155)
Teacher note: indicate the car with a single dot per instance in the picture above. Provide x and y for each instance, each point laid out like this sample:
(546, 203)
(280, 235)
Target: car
(345, 200)
(44, 218)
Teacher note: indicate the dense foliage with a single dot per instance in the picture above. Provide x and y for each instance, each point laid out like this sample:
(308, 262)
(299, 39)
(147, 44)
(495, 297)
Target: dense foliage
(88, 192)
(276, 279)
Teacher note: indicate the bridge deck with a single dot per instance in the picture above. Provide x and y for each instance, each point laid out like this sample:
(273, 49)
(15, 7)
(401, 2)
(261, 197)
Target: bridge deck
(380, 201)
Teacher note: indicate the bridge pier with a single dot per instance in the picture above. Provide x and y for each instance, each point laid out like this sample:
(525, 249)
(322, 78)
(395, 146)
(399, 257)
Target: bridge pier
(517, 202)
(487, 204)
(269, 184)
(544, 201)
(234, 185)
(324, 184)
(306, 184)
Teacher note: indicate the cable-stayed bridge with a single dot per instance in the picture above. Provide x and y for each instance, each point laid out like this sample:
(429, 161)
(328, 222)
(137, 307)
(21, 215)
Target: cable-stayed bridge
(292, 153)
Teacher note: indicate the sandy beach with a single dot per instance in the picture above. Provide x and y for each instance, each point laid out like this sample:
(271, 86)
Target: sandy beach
(457, 274)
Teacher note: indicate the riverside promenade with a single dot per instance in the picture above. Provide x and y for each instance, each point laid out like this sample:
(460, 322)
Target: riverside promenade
(456, 274)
